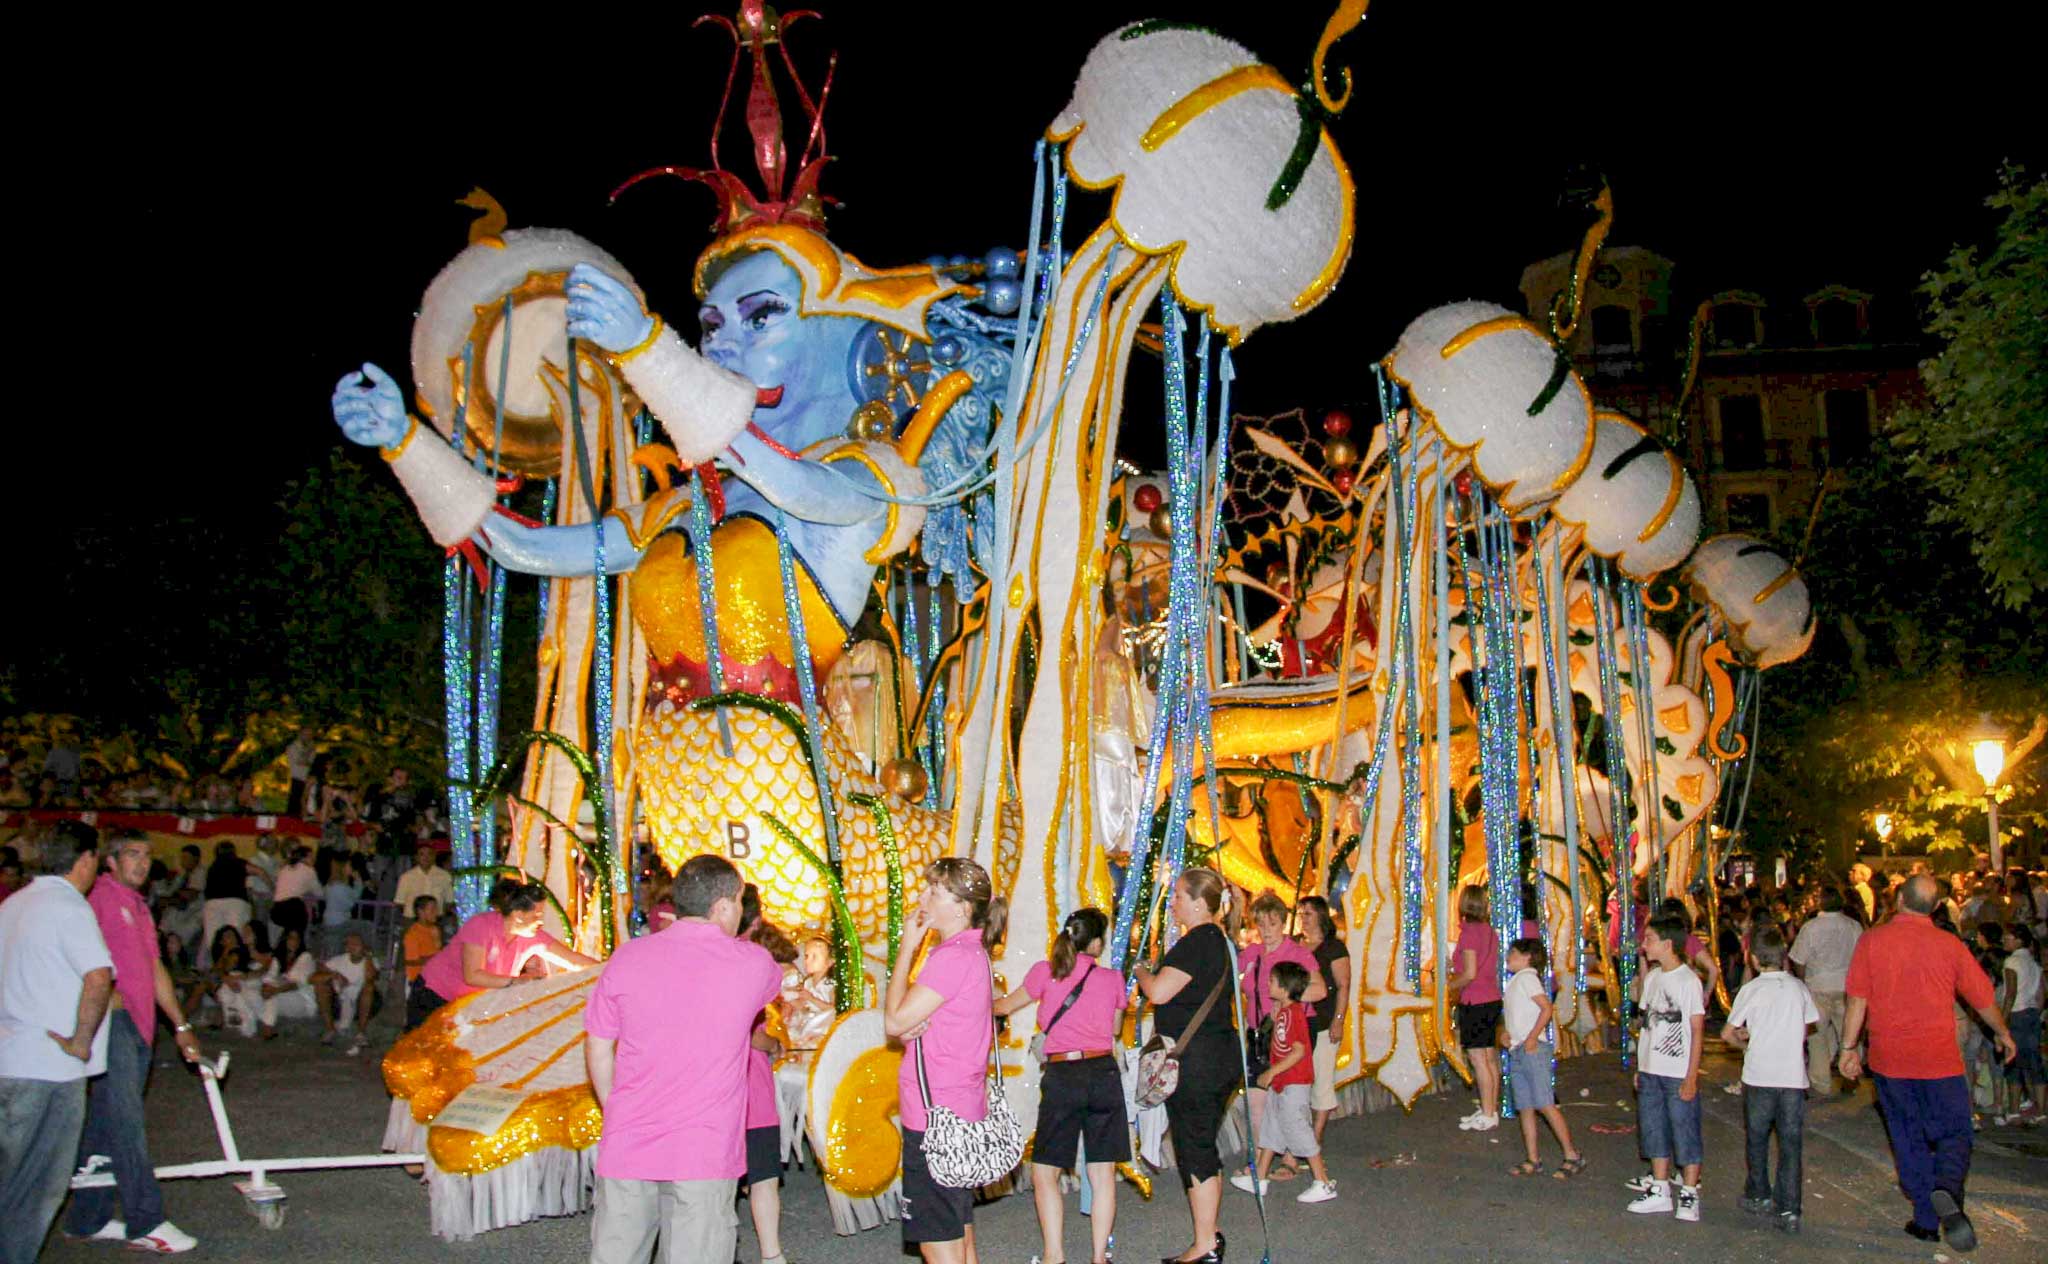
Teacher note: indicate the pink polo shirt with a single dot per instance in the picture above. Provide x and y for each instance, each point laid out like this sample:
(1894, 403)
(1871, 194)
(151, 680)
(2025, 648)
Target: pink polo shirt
(680, 1003)
(761, 1112)
(130, 932)
(956, 1041)
(1092, 1020)
(1255, 973)
(504, 953)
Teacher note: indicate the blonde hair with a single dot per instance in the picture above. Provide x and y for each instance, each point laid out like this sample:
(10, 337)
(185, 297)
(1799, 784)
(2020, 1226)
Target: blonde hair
(967, 882)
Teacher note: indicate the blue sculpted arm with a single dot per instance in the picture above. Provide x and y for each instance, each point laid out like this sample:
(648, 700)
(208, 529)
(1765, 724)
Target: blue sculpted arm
(810, 490)
(370, 411)
(557, 551)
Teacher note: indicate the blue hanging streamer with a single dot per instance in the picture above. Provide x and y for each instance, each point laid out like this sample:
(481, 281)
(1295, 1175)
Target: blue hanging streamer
(807, 685)
(1549, 571)
(707, 600)
(1619, 791)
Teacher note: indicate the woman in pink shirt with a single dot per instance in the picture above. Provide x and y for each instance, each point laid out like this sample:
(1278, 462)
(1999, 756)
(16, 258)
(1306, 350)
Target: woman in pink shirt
(499, 948)
(1081, 1096)
(764, 1121)
(1255, 976)
(1475, 977)
(948, 1016)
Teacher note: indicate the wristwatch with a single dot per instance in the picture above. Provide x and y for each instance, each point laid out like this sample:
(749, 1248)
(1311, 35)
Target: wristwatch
(181, 1029)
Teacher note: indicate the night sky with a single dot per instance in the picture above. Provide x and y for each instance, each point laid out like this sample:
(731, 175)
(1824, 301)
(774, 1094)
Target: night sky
(261, 220)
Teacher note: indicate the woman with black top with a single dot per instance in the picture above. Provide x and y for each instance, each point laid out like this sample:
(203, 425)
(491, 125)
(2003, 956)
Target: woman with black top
(1196, 968)
(1333, 962)
(227, 896)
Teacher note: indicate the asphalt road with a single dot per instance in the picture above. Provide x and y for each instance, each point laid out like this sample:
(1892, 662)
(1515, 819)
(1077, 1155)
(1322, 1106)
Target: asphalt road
(1452, 1200)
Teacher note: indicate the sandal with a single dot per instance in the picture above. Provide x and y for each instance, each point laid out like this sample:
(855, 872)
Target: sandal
(1527, 1167)
(1571, 1167)
(1283, 1172)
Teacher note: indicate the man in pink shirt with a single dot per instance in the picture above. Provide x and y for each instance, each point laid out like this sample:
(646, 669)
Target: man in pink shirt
(113, 1121)
(666, 1040)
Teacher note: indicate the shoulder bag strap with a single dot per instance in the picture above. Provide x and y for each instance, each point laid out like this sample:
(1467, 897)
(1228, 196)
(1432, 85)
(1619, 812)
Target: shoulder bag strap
(1195, 1023)
(1072, 996)
(924, 1092)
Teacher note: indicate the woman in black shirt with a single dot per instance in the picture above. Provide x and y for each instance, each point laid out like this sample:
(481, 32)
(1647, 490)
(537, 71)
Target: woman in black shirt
(1196, 968)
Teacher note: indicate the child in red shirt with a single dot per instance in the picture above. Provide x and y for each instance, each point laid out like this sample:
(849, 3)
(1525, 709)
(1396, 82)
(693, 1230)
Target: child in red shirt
(1287, 1125)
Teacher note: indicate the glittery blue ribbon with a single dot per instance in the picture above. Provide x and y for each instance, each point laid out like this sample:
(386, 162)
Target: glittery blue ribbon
(807, 685)
(1619, 793)
(707, 599)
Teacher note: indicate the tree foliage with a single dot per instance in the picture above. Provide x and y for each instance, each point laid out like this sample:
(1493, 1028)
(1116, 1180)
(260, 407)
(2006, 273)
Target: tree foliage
(1907, 656)
(1980, 440)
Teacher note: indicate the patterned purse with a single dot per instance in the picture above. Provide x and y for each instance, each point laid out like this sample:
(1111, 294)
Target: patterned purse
(1159, 1064)
(964, 1154)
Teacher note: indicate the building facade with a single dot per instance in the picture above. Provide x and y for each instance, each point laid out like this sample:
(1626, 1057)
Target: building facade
(1790, 384)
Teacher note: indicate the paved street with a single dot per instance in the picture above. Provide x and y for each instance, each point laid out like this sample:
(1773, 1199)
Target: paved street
(1454, 1201)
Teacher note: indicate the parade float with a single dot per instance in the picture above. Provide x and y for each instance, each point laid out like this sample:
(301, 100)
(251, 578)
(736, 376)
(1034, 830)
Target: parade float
(859, 582)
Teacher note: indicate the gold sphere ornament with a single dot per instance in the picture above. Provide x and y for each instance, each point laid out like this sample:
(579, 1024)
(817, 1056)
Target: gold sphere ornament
(1341, 453)
(873, 420)
(905, 779)
(1161, 522)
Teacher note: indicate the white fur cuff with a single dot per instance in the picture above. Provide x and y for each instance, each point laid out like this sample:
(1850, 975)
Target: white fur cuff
(452, 496)
(701, 406)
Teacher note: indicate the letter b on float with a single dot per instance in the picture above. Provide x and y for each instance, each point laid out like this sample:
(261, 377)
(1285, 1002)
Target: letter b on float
(738, 844)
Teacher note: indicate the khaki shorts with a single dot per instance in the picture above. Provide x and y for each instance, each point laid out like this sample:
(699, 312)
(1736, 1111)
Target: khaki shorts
(1323, 1095)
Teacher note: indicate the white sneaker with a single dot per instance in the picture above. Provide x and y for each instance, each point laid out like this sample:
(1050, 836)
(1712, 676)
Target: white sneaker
(1641, 1184)
(1243, 1181)
(1471, 1119)
(1688, 1202)
(1658, 1199)
(165, 1239)
(1486, 1123)
(1317, 1192)
(356, 1046)
(112, 1231)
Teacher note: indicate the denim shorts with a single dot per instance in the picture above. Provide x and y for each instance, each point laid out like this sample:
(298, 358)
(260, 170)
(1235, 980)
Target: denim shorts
(1529, 1077)
(1670, 1127)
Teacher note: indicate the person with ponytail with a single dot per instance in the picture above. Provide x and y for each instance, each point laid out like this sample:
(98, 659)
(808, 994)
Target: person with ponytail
(947, 1020)
(1081, 1095)
(1188, 990)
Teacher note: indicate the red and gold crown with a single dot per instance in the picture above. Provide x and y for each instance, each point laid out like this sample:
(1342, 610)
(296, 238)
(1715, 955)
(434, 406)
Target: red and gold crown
(754, 30)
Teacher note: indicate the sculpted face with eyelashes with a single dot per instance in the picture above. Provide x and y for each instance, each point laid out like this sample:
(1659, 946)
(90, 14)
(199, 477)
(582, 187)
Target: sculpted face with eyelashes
(751, 322)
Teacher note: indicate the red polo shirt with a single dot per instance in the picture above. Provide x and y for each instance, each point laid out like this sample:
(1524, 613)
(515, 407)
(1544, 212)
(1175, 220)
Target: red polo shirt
(1911, 971)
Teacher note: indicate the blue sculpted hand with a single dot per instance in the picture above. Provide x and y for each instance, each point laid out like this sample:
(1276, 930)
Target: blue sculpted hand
(369, 407)
(604, 311)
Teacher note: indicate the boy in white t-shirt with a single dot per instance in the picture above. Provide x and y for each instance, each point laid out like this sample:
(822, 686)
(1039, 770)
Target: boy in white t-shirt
(1769, 1021)
(1526, 1013)
(1674, 1015)
(346, 987)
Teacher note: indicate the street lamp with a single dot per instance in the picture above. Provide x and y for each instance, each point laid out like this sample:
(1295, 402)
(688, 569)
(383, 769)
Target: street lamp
(1987, 750)
(1882, 823)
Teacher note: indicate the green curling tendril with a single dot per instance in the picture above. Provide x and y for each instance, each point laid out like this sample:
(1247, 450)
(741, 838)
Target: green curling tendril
(892, 856)
(1313, 116)
(598, 849)
(846, 954)
(1560, 369)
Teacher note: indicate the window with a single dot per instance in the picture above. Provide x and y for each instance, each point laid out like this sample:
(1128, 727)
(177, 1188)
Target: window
(1611, 329)
(1749, 511)
(1734, 325)
(1835, 323)
(1742, 432)
(1848, 418)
